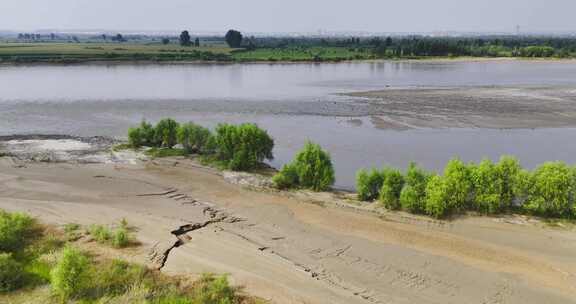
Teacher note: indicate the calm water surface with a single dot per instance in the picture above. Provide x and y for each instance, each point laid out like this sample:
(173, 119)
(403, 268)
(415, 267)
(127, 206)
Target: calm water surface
(105, 100)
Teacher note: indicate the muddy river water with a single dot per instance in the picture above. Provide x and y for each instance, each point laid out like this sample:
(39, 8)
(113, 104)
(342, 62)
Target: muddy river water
(296, 102)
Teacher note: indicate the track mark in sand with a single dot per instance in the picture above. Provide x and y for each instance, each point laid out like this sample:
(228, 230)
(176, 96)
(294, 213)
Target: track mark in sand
(394, 275)
(169, 191)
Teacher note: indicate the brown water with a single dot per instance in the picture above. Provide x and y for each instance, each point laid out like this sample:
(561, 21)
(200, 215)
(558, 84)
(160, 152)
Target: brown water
(294, 102)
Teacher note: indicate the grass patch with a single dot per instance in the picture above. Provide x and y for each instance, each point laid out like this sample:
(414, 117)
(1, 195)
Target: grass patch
(121, 147)
(165, 152)
(83, 52)
(117, 238)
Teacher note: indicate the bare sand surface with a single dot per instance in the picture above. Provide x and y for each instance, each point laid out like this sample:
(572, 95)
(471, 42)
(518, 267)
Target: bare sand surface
(289, 250)
(472, 107)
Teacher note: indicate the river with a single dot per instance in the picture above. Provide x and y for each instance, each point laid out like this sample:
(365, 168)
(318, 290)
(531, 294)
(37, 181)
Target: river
(295, 102)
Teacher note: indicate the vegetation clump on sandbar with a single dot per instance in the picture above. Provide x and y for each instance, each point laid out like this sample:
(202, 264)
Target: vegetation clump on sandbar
(242, 147)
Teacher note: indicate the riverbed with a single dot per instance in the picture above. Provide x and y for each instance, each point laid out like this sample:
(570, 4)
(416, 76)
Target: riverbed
(366, 114)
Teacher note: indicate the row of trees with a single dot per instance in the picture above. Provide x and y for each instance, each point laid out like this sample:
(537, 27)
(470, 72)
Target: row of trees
(422, 46)
(233, 38)
(487, 187)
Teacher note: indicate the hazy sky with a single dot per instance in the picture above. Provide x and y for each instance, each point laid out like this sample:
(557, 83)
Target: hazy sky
(291, 15)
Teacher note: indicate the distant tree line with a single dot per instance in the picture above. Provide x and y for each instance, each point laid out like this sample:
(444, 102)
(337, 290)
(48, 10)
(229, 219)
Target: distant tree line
(186, 40)
(425, 46)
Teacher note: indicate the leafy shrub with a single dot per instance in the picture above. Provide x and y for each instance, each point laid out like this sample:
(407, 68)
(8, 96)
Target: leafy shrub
(16, 230)
(553, 190)
(458, 185)
(194, 138)
(100, 233)
(391, 188)
(11, 273)
(369, 184)
(143, 135)
(437, 197)
(71, 275)
(166, 133)
(488, 187)
(508, 169)
(135, 139)
(287, 178)
(313, 167)
(414, 198)
(410, 200)
(37, 272)
(243, 147)
(523, 184)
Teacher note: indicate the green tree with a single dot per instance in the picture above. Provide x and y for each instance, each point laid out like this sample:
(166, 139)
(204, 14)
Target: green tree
(194, 138)
(458, 183)
(135, 139)
(314, 166)
(243, 147)
(553, 190)
(233, 38)
(311, 169)
(488, 187)
(391, 188)
(369, 184)
(508, 169)
(166, 133)
(185, 39)
(437, 196)
(413, 196)
(143, 135)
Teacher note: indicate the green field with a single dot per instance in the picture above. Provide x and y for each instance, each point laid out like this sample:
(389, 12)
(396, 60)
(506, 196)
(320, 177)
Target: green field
(304, 54)
(82, 52)
(88, 52)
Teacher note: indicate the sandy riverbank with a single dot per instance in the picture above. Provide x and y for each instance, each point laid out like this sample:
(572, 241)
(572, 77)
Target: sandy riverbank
(289, 250)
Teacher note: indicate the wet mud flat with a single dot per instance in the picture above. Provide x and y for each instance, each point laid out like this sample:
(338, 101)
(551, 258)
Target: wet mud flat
(472, 107)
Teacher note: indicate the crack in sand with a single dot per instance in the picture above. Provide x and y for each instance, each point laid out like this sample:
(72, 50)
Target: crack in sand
(160, 257)
(182, 238)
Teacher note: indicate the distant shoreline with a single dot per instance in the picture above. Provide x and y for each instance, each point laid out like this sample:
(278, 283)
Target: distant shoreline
(221, 62)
